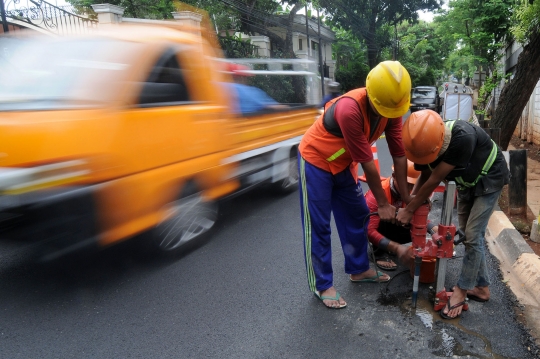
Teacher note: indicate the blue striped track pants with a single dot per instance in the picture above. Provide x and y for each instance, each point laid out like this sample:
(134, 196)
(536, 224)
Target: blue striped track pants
(321, 194)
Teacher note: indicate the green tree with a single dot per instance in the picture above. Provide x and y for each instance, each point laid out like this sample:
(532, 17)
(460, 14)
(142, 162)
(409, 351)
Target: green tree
(150, 9)
(369, 20)
(351, 60)
(422, 51)
(263, 17)
(476, 29)
(516, 93)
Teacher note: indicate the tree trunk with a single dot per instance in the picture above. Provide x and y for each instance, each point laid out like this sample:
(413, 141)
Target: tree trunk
(372, 48)
(289, 52)
(298, 82)
(276, 39)
(517, 92)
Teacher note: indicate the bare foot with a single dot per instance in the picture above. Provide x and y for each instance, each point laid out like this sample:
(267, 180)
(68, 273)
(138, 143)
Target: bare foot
(337, 302)
(479, 294)
(458, 297)
(371, 274)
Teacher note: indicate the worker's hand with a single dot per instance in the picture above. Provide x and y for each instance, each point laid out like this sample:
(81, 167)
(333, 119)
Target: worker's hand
(403, 217)
(387, 213)
(407, 198)
(405, 255)
(429, 203)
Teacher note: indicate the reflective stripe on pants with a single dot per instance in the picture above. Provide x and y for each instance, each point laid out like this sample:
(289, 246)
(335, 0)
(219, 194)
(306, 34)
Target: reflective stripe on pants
(322, 193)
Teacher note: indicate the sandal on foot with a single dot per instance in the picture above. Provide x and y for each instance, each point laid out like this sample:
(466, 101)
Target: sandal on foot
(377, 278)
(476, 298)
(326, 297)
(391, 264)
(445, 316)
(472, 297)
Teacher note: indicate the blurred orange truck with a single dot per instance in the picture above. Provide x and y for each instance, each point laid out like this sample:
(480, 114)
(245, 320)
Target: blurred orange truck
(109, 135)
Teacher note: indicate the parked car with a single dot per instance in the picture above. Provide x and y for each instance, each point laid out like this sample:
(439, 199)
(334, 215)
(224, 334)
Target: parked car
(425, 97)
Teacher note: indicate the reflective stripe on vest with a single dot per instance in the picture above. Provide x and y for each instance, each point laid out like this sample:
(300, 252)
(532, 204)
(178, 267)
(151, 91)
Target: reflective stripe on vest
(485, 169)
(336, 155)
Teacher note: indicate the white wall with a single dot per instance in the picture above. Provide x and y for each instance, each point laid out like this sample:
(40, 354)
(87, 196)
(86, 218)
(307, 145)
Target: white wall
(528, 127)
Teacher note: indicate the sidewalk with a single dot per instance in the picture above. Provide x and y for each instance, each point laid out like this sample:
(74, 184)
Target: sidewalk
(520, 266)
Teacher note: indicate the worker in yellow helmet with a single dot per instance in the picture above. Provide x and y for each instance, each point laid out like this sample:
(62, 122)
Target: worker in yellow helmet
(462, 152)
(330, 152)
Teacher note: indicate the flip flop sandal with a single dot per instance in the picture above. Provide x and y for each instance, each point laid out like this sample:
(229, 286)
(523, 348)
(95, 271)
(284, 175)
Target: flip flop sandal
(457, 305)
(385, 259)
(375, 279)
(476, 299)
(472, 297)
(326, 297)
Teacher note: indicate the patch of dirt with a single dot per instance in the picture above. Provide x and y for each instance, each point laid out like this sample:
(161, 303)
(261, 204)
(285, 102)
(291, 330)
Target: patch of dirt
(533, 150)
(523, 222)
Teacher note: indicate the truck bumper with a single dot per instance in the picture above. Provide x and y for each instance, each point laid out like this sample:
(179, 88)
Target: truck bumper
(51, 222)
(423, 107)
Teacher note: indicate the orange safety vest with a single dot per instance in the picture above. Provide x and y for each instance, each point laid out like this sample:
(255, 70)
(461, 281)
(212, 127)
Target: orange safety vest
(385, 184)
(327, 151)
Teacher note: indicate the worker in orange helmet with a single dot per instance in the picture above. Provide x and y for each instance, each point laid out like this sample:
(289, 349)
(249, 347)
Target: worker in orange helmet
(457, 151)
(330, 152)
(388, 238)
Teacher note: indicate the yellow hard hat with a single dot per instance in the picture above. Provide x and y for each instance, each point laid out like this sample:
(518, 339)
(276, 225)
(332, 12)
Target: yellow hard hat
(389, 88)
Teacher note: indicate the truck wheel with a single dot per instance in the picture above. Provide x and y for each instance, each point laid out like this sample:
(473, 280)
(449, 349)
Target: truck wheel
(186, 219)
(290, 183)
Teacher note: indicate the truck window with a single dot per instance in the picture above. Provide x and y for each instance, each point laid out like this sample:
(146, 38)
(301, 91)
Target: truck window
(165, 86)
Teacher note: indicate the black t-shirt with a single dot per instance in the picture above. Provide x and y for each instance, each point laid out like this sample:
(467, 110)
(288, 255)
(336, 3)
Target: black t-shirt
(468, 151)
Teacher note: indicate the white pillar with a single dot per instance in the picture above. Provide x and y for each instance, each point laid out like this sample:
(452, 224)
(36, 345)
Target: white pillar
(188, 18)
(108, 13)
(263, 42)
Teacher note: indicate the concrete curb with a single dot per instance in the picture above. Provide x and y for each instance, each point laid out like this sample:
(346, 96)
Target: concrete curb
(519, 264)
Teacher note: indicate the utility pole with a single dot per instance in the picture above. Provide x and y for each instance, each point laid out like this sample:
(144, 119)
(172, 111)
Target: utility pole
(307, 33)
(394, 57)
(320, 53)
(3, 14)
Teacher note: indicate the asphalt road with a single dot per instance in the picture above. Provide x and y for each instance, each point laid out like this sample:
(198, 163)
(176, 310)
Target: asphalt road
(242, 293)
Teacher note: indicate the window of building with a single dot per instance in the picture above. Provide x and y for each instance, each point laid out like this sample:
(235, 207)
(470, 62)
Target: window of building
(314, 45)
(299, 44)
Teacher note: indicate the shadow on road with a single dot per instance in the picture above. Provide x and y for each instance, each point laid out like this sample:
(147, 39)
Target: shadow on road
(22, 276)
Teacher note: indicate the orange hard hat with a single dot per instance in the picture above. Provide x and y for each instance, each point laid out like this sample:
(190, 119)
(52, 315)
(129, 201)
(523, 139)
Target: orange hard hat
(423, 136)
(412, 174)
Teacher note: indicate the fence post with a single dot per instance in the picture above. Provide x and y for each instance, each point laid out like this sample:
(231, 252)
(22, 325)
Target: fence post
(480, 118)
(108, 13)
(517, 188)
(5, 26)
